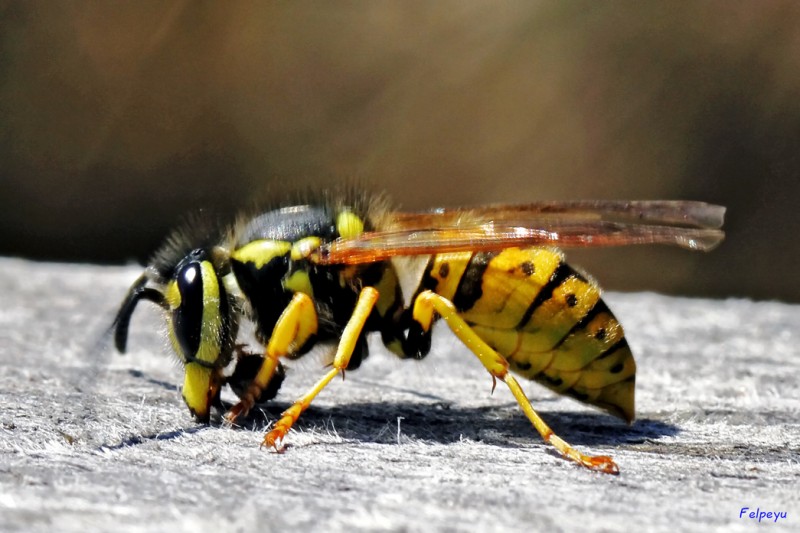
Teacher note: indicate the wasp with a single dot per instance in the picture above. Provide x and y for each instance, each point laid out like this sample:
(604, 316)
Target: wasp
(328, 271)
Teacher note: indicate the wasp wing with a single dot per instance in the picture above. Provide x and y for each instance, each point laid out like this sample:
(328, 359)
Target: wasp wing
(655, 212)
(691, 225)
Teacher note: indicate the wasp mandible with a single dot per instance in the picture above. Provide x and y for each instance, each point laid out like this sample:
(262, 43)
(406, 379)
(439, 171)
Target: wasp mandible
(325, 272)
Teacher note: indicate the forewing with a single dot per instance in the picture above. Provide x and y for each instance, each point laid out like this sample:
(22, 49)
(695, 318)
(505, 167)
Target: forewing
(691, 225)
(644, 212)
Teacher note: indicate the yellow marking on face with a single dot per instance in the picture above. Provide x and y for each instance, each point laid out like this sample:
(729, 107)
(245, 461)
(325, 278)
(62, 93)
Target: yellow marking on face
(172, 295)
(305, 247)
(176, 346)
(196, 386)
(510, 284)
(349, 225)
(209, 350)
(299, 282)
(261, 252)
(447, 270)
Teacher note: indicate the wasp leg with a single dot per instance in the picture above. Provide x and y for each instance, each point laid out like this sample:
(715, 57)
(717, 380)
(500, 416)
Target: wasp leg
(424, 306)
(350, 335)
(296, 325)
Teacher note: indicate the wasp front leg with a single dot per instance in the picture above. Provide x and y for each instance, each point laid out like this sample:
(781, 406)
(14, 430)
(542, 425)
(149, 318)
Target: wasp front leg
(296, 325)
(350, 335)
(428, 302)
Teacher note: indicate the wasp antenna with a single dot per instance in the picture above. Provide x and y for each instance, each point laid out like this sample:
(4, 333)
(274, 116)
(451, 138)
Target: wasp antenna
(137, 292)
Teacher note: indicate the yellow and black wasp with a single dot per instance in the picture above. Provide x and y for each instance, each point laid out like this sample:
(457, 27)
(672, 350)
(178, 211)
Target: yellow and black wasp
(326, 271)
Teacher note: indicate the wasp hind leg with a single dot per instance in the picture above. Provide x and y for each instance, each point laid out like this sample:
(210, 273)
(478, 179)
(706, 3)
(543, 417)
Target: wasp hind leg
(350, 335)
(428, 302)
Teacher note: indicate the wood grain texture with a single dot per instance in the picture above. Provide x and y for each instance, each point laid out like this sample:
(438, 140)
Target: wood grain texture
(93, 440)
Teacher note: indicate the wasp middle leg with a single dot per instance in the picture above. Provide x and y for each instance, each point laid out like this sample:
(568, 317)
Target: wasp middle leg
(296, 325)
(350, 335)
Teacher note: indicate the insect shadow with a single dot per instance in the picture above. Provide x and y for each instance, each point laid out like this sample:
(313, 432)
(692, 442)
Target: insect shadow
(444, 423)
(166, 385)
(434, 419)
(441, 421)
(136, 440)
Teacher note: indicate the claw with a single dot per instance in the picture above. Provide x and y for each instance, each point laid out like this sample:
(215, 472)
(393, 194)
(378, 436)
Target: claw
(601, 463)
(274, 439)
(234, 413)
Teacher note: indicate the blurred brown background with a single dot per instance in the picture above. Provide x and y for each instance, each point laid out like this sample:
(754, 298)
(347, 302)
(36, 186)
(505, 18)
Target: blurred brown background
(118, 118)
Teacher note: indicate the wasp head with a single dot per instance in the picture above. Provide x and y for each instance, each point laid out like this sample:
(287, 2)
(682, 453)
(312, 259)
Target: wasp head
(200, 320)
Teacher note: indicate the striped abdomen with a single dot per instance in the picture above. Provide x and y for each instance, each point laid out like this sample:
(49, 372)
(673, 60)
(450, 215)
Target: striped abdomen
(545, 318)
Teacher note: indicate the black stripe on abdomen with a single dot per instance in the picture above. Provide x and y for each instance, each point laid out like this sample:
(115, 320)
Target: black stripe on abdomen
(560, 274)
(470, 288)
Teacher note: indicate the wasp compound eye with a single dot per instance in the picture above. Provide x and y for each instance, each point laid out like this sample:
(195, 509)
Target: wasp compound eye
(187, 317)
(199, 314)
